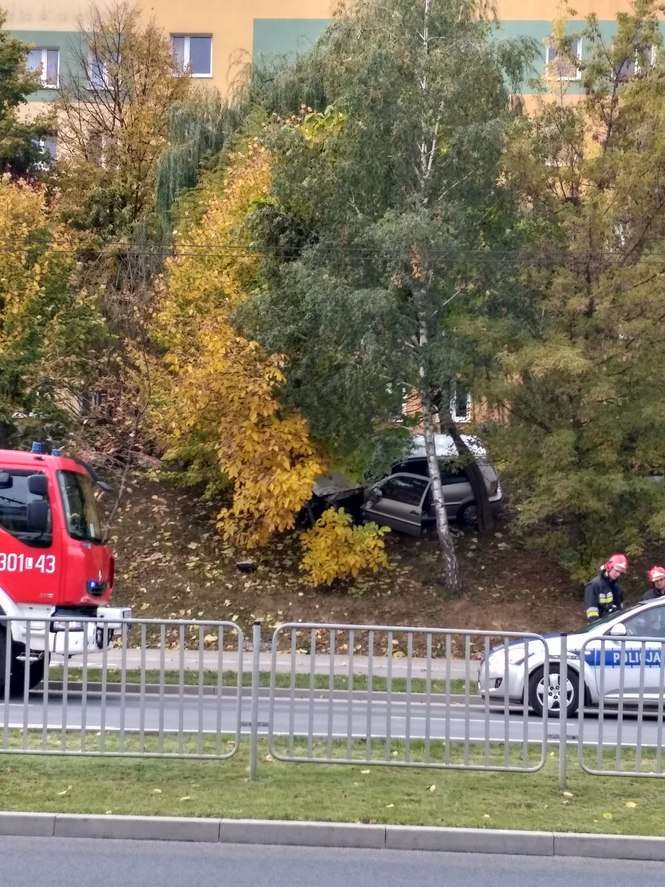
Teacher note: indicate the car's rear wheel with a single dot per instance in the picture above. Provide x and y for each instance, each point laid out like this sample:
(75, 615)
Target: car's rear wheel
(467, 516)
(551, 693)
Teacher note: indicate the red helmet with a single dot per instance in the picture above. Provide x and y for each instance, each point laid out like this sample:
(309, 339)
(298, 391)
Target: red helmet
(656, 573)
(617, 562)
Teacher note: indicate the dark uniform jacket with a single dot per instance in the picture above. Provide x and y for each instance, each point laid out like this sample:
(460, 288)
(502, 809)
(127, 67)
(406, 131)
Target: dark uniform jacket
(652, 594)
(601, 596)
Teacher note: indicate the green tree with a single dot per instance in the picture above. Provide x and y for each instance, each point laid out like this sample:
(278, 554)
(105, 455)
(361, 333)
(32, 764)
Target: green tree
(50, 329)
(20, 151)
(384, 204)
(113, 118)
(581, 366)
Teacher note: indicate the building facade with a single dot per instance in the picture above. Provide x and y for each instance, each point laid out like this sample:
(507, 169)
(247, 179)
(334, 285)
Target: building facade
(217, 38)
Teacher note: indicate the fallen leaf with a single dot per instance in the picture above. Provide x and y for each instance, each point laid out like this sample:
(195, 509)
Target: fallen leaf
(568, 794)
(389, 805)
(431, 788)
(185, 798)
(64, 791)
(607, 816)
(364, 772)
(631, 804)
(156, 791)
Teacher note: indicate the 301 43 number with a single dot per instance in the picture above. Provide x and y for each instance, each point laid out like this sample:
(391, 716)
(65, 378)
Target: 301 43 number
(19, 563)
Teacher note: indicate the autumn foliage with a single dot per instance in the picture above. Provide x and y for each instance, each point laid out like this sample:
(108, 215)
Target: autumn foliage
(335, 549)
(50, 328)
(218, 398)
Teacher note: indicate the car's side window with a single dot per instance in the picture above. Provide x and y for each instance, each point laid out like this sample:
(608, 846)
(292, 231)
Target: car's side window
(409, 490)
(650, 623)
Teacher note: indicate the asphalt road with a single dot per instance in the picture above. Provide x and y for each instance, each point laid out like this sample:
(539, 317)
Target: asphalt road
(82, 862)
(315, 715)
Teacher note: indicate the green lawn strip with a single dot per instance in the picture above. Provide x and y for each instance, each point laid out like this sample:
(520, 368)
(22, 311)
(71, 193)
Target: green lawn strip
(334, 793)
(282, 681)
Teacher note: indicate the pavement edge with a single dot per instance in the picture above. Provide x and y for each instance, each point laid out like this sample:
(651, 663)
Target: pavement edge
(331, 834)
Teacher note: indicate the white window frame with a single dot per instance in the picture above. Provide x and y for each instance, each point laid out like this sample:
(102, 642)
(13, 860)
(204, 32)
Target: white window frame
(186, 54)
(42, 74)
(550, 62)
(102, 82)
(637, 67)
(460, 417)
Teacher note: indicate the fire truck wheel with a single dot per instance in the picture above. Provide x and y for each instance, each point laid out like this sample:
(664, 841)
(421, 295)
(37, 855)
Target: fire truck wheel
(17, 668)
(35, 677)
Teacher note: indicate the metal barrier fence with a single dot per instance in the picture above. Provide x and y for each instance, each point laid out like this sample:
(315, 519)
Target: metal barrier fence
(163, 688)
(624, 679)
(406, 696)
(353, 694)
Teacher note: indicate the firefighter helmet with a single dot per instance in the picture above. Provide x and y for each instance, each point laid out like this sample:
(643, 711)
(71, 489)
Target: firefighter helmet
(618, 562)
(656, 573)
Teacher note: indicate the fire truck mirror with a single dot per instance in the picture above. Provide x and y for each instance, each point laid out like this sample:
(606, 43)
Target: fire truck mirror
(37, 484)
(37, 514)
(5, 480)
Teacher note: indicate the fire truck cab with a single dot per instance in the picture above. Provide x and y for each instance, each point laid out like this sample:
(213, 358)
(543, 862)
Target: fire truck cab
(55, 565)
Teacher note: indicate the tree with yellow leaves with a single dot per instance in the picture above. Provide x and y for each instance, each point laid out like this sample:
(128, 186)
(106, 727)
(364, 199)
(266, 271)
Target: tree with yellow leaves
(50, 329)
(217, 399)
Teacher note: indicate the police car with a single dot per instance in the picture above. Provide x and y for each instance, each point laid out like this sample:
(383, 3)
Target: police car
(624, 658)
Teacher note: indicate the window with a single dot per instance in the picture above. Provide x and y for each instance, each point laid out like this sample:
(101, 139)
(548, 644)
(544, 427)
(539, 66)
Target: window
(47, 63)
(409, 490)
(98, 75)
(14, 499)
(78, 498)
(452, 471)
(460, 403)
(560, 65)
(645, 57)
(192, 53)
(49, 144)
(650, 623)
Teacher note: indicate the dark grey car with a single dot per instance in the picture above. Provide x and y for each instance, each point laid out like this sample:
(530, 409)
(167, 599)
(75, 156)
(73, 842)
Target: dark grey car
(403, 500)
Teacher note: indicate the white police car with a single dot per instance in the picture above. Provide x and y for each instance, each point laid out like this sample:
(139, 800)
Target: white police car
(624, 658)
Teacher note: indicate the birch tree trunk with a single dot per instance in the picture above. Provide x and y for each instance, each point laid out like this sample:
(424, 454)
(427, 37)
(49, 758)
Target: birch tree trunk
(451, 571)
(426, 150)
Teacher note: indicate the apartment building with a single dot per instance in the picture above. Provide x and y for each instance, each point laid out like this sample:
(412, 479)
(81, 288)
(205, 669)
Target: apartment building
(214, 38)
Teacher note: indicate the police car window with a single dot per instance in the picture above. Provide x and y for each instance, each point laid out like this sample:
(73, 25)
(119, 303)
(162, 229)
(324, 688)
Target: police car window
(404, 489)
(650, 623)
(14, 499)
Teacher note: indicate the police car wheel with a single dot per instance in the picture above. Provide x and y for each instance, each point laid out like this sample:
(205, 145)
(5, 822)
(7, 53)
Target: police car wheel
(539, 694)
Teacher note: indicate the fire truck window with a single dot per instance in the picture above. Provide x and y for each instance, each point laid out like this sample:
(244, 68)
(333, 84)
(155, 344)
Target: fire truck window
(83, 521)
(14, 499)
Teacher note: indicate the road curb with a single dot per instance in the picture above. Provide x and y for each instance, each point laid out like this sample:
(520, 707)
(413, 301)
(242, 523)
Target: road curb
(304, 834)
(331, 834)
(469, 840)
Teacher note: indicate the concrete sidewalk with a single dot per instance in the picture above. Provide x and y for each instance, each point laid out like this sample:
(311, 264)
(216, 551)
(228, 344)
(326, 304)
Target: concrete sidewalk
(192, 660)
(332, 834)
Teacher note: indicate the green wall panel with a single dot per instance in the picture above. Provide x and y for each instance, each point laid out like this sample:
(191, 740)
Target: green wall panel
(279, 38)
(65, 41)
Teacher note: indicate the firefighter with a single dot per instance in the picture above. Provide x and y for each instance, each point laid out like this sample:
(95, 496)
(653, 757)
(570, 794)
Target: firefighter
(603, 595)
(656, 577)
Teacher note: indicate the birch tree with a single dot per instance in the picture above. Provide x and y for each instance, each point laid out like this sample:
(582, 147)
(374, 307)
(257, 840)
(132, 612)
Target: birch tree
(386, 203)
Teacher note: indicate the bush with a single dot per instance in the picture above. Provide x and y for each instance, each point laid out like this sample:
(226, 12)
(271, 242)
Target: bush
(335, 549)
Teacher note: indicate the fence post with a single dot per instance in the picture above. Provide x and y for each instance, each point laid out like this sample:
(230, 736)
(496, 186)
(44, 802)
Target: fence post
(563, 711)
(254, 729)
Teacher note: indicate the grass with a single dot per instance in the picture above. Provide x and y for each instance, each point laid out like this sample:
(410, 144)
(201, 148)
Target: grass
(333, 793)
(282, 681)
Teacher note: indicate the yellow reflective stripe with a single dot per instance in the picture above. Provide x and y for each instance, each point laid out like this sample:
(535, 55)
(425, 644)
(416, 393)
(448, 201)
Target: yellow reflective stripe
(592, 613)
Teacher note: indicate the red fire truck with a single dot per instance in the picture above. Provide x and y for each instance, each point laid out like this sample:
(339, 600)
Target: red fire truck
(55, 565)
